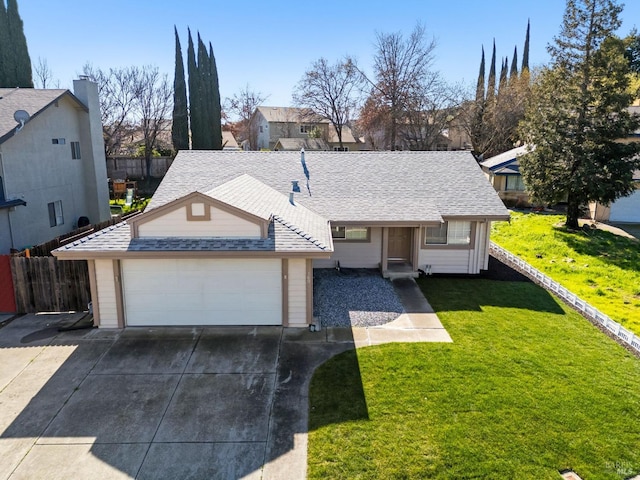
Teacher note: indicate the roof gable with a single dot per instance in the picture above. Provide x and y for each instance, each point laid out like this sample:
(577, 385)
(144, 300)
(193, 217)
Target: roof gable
(180, 219)
(505, 158)
(32, 100)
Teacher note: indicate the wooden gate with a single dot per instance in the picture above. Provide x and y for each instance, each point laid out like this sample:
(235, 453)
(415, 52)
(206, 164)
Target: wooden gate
(7, 298)
(46, 284)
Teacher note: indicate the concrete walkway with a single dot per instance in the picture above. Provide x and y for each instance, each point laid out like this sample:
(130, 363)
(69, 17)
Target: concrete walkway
(418, 322)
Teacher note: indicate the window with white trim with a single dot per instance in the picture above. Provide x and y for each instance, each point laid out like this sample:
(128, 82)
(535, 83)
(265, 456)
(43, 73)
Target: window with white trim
(55, 213)
(340, 149)
(454, 232)
(307, 128)
(350, 233)
(75, 151)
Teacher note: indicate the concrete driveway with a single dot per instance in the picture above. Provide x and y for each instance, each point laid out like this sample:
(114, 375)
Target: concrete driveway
(156, 403)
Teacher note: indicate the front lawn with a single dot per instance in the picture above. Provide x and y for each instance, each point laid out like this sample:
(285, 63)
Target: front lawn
(527, 388)
(598, 266)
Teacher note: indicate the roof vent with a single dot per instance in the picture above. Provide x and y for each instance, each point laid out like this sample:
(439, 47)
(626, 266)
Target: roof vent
(291, 198)
(83, 77)
(294, 186)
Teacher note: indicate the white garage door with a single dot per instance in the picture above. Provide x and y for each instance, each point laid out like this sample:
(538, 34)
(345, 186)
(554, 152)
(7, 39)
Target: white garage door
(202, 292)
(626, 209)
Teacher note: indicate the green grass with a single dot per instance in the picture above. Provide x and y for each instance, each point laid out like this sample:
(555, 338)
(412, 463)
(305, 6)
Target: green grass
(527, 388)
(600, 267)
(138, 204)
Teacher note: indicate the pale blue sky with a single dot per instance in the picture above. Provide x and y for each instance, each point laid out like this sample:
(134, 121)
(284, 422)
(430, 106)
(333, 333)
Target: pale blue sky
(269, 44)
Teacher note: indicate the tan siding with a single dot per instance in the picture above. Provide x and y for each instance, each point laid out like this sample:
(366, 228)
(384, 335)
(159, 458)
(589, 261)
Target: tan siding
(222, 224)
(106, 290)
(297, 292)
(355, 254)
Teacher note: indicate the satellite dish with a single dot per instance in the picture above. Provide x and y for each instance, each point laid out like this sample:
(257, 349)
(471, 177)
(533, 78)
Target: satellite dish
(21, 117)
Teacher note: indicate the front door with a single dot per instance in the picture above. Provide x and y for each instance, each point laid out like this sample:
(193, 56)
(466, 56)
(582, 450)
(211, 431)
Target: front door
(399, 244)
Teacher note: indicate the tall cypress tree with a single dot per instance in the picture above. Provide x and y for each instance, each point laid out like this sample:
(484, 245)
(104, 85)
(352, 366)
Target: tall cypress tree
(216, 110)
(195, 98)
(480, 84)
(503, 75)
(513, 74)
(525, 54)
(180, 123)
(206, 99)
(21, 70)
(491, 86)
(5, 46)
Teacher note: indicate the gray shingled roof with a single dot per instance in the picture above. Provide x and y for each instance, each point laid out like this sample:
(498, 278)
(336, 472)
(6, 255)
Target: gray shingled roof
(293, 228)
(32, 100)
(256, 198)
(282, 238)
(349, 186)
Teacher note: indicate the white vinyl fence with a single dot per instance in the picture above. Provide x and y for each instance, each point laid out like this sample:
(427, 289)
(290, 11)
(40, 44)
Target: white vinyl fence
(569, 298)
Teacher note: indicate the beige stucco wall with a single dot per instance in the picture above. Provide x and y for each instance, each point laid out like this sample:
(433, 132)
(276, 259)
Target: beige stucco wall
(40, 172)
(106, 290)
(297, 283)
(222, 224)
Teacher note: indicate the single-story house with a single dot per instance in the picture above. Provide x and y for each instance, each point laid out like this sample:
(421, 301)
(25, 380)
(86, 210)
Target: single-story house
(232, 238)
(503, 171)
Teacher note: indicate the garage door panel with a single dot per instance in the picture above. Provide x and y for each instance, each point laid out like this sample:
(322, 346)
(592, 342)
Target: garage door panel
(202, 292)
(626, 209)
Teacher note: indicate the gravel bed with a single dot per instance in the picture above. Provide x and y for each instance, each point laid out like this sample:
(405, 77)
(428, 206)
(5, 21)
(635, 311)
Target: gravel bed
(353, 297)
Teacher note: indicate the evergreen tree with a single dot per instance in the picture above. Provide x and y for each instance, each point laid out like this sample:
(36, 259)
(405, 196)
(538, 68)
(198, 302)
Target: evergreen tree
(20, 73)
(195, 98)
(216, 107)
(578, 113)
(5, 46)
(525, 54)
(503, 76)
(513, 74)
(206, 101)
(491, 86)
(180, 124)
(480, 85)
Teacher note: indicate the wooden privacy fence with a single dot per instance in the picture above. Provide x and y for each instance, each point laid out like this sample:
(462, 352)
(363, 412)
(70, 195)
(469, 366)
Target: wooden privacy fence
(46, 284)
(566, 296)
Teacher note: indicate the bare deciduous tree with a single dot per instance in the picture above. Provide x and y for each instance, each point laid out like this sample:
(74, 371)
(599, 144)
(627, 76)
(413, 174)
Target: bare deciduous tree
(331, 91)
(116, 89)
(242, 105)
(401, 66)
(132, 98)
(43, 75)
(152, 105)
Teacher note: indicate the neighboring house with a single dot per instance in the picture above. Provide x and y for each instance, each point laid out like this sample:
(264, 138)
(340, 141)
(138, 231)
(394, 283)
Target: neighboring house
(503, 171)
(52, 167)
(272, 124)
(232, 238)
(624, 209)
(229, 141)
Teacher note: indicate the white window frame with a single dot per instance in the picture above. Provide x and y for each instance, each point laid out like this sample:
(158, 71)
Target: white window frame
(453, 232)
(340, 149)
(306, 128)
